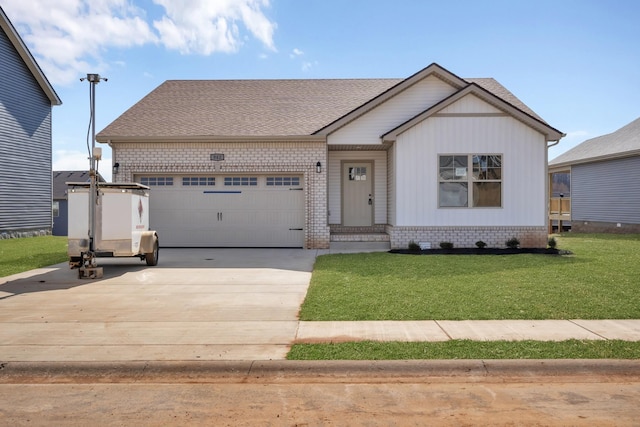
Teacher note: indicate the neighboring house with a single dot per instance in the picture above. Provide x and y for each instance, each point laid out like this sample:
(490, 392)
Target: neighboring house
(26, 100)
(309, 163)
(605, 182)
(60, 199)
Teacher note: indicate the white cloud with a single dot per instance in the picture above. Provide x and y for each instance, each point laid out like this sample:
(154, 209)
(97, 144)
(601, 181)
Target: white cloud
(73, 160)
(205, 26)
(307, 66)
(296, 52)
(70, 37)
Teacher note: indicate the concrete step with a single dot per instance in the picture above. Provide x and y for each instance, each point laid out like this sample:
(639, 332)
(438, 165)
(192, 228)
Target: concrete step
(360, 246)
(359, 237)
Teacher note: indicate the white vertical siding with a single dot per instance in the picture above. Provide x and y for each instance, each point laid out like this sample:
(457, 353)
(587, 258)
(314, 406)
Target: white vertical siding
(368, 128)
(523, 153)
(391, 185)
(470, 104)
(379, 159)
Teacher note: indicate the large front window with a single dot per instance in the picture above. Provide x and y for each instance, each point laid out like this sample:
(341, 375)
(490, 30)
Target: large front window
(470, 180)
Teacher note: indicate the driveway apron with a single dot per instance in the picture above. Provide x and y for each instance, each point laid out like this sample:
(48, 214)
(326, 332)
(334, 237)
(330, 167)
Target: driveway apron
(196, 304)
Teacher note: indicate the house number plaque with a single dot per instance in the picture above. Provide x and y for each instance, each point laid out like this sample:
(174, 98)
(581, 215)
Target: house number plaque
(216, 157)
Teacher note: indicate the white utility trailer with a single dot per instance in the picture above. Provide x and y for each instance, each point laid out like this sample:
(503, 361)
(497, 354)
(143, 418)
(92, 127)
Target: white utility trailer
(121, 226)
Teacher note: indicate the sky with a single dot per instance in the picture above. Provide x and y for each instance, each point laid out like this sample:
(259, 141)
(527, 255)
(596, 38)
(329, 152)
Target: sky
(576, 63)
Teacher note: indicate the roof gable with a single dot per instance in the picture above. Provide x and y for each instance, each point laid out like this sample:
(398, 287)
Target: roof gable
(28, 59)
(431, 70)
(476, 90)
(621, 143)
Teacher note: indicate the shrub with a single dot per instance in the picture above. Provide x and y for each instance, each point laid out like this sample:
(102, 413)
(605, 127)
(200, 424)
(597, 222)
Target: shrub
(480, 244)
(446, 245)
(414, 247)
(513, 243)
(552, 243)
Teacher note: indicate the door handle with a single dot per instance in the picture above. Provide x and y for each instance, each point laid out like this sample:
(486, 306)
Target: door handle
(370, 200)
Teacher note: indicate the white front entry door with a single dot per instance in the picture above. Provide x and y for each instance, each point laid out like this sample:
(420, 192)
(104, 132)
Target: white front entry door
(357, 194)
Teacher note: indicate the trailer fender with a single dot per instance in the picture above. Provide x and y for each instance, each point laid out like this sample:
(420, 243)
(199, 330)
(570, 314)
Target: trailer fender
(147, 241)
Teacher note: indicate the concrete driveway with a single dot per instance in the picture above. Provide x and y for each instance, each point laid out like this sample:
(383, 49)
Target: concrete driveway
(197, 304)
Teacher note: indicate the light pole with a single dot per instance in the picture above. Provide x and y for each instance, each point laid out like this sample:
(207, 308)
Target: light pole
(94, 157)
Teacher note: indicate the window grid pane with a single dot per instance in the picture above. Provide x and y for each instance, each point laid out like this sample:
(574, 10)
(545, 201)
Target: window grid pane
(240, 181)
(283, 180)
(158, 181)
(198, 180)
(453, 168)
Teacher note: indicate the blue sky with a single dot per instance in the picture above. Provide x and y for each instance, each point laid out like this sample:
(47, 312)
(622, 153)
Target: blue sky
(574, 62)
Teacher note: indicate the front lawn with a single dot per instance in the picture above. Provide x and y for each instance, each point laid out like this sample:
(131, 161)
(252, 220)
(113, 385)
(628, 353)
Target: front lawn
(466, 349)
(601, 280)
(27, 253)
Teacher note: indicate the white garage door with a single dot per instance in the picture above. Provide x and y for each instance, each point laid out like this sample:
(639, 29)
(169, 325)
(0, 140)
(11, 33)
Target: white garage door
(226, 210)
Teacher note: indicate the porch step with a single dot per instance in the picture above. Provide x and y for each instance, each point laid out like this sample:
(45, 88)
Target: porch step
(360, 241)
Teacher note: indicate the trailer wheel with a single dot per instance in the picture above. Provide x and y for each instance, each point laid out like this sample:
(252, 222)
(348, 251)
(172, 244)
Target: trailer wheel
(152, 257)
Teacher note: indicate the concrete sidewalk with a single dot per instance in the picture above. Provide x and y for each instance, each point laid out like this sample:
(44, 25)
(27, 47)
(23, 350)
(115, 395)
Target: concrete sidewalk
(477, 330)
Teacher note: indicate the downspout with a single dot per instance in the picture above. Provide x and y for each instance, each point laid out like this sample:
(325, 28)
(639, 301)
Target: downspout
(548, 182)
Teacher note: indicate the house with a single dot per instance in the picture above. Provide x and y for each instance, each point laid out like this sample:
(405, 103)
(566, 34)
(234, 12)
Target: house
(319, 163)
(605, 183)
(60, 198)
(26, 101)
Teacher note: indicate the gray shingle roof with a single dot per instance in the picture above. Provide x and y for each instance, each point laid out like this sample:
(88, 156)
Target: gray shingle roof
(625, 140)
(254, 108)
(60, 179)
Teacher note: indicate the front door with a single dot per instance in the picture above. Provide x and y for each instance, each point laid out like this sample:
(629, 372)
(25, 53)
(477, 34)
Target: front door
(357, 194)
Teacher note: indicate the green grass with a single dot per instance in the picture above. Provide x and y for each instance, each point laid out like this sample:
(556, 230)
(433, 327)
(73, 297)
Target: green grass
(18, 255)
(465, 349)
(601, 280)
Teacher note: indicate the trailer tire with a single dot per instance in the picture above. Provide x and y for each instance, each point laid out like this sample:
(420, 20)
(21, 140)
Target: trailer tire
(152, 257)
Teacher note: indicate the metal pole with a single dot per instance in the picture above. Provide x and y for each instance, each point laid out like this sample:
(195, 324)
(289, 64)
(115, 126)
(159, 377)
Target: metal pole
(92, 169)
(89, 259)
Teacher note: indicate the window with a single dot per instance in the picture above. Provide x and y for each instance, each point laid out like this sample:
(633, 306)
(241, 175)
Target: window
(358, 173)
(470, 180)
(56, 209)
(158, 181)
(283, 180)
(198, 180)
(240, 181)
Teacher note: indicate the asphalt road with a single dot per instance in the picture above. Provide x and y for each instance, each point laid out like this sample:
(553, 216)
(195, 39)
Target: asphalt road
(533, 393)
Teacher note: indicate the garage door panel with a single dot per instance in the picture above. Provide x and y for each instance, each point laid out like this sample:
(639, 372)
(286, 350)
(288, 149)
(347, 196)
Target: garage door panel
(228, 215)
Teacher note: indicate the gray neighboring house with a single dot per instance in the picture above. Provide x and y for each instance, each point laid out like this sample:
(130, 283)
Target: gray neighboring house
(605, 182)
(60, 208)
(26, 101)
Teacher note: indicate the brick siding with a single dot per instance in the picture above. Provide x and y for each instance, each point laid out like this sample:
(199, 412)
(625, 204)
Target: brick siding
(466, 237)
(239, 157)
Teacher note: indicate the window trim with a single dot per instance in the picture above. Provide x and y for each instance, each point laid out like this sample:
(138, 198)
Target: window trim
(470, 180)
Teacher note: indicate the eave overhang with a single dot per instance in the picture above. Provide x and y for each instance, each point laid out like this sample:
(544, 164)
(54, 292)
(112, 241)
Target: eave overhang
(111, 139)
